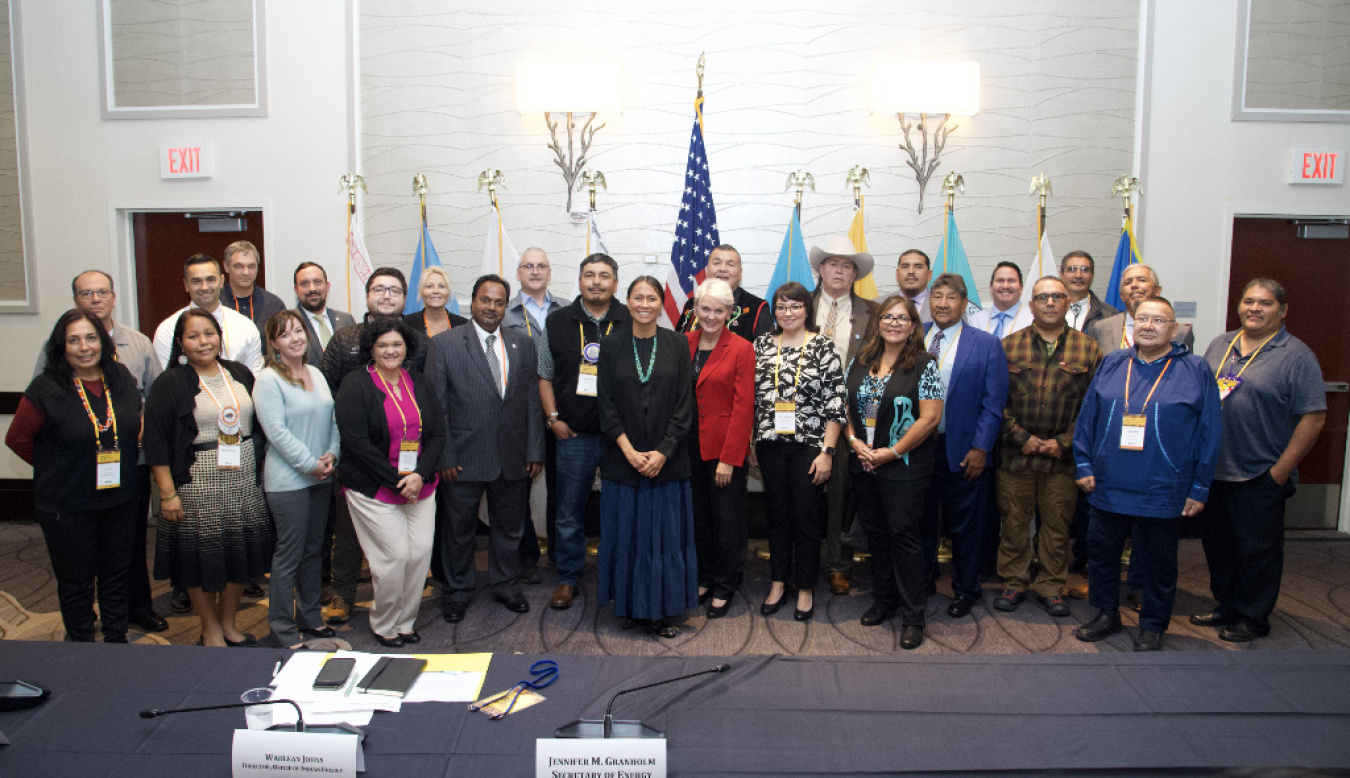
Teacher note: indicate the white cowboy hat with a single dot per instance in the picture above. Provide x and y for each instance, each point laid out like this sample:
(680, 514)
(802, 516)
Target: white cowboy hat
(840, 246)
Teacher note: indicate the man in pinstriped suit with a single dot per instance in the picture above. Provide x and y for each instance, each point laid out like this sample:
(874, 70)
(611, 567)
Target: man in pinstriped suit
(486, 377)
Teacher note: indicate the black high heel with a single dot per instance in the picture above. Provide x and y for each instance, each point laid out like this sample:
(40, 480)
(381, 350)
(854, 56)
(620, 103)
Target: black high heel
(768, 608)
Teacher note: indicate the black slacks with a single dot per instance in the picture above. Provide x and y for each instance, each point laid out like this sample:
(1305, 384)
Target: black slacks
(92, 551)
(1243, 537)
(794, 511)
(964, 506)
(508, 507)
(891, 513)
(720, 531)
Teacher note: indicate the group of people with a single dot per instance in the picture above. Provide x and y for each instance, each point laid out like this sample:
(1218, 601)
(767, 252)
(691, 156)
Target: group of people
(278, 439)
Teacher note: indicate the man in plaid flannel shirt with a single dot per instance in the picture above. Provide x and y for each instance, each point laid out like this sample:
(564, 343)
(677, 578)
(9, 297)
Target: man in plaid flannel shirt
(1050, 366)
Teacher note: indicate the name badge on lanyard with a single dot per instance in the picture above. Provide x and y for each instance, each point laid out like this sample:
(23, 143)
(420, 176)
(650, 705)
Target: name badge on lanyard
(785, 418)
(1132, 426)
(588, 373)
(870, 408)
(108, 471)
(407, 456)
(228, 456)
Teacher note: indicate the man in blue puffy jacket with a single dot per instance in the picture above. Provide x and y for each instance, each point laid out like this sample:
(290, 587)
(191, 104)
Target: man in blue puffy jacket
(1145, 447)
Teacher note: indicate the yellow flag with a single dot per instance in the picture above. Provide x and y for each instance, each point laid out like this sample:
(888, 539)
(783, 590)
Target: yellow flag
(865, 287)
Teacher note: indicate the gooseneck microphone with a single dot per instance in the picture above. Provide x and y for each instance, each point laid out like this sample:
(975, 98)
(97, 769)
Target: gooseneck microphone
(151, 713)
(609, 728)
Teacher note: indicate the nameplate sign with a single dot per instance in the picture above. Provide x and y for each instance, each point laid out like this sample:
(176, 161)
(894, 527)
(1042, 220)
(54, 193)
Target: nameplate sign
(600, 758)
(1317, 166)
(185, 160)
(268, 753)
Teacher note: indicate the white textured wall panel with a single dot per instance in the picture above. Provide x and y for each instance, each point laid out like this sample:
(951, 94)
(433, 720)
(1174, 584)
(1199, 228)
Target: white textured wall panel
(786, 87)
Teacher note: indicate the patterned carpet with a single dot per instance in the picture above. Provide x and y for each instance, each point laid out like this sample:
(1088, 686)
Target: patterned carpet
(1313, 614)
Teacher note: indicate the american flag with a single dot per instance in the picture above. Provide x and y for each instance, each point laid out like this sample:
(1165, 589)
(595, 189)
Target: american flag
(696, 227)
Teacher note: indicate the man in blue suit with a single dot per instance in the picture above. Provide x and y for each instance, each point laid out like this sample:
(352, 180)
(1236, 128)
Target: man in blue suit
(975, 378)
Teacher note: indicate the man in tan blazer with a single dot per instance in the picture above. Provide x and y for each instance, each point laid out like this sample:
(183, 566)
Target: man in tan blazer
(843, 317)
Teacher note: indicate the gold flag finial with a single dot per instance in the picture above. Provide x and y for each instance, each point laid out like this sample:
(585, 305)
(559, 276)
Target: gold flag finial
(952, 183)
(1124, 186)
(799, 180)
(856, 177)
(420, 187)
(589, 181)
(702, 62)
(492, 178)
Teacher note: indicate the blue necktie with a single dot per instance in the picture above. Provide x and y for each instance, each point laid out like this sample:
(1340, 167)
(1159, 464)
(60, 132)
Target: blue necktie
(1002, 321)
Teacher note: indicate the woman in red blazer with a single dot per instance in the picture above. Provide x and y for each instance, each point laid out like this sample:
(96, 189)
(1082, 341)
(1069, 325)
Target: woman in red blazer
(724, 388)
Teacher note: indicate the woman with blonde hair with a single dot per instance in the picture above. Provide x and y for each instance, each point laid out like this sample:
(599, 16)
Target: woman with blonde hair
(435, 293)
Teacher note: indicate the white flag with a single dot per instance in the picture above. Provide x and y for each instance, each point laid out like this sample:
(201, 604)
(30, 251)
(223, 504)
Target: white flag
(1043, 265)
(499, 256)
(358, 261)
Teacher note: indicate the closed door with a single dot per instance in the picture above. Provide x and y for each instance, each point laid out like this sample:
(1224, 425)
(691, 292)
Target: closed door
(1316, 276)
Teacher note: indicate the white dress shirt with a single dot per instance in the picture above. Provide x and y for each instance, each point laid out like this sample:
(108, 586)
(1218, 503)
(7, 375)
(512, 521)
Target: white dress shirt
(951, 341)
(499, 349)
(843, 325)
(319, 322)
(1076, 319)
(241, 341)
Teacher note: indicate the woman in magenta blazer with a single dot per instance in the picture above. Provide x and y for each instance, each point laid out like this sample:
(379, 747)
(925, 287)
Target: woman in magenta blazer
(724, 388)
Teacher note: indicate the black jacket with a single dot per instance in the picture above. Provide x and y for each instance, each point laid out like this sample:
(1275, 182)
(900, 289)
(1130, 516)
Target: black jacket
(566, 327)
(655, 416)
(171, 427)
(343, 355)
(364, 465)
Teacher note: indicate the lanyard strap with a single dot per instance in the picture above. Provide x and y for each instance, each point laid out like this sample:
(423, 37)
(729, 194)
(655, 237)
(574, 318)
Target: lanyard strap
(233, 397)
(250, 306)
(1250, 359)
(1129, 374)
(402, 375)
(778, 359)
(110, 421)
(581, 332)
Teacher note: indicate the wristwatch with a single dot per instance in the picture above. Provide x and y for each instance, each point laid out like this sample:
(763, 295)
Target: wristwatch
(552, 417)
(827, 450)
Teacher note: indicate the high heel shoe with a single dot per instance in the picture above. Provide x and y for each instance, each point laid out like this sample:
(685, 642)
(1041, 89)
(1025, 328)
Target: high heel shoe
(770, 608)
(718, 611)
(804, 615)
(394, 642)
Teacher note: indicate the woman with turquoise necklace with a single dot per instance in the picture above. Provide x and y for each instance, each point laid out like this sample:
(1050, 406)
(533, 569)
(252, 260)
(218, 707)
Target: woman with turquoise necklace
(648, 567)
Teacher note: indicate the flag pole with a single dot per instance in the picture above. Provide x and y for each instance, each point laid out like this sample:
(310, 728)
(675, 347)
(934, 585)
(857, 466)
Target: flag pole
(1040, 186)
(349, 183)
(952, 183)
(798, 179)
(420, 188)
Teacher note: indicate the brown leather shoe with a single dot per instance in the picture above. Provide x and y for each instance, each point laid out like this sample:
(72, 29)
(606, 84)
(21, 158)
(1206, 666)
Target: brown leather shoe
(839, 583)
(1078, 591)
(562, 597)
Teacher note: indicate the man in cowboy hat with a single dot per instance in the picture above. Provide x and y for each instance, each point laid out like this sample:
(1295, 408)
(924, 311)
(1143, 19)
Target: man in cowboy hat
(842, 316)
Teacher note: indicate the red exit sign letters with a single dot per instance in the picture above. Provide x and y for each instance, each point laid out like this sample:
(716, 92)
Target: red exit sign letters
(185, 160)
(1318, 166)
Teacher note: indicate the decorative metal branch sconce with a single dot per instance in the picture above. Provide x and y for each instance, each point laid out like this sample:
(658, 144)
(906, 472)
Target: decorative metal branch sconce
(928, 89)
(571, 88)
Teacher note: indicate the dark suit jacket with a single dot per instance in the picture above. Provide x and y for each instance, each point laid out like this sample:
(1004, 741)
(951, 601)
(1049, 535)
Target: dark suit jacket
(861, 318)
(975, 396)
(1109, 331)
(488, 435)
(1097, 310)
(336, 321)
(725, 392)
(364, 465)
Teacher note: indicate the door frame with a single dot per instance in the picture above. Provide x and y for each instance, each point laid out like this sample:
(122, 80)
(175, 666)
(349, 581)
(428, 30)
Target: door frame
(121, 238)
(1232, 213)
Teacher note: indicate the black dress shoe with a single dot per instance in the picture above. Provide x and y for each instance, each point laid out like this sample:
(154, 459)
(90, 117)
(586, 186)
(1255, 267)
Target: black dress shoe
(718, 611)
(248, 642)
(149, 621)
(454, 611)
(322, 632)
(394, 642)
(803, 615)
(1147, 640)
(704, 597)
(1104, 626)
(410, 637)
(960, 607)
(911, 636)
(875, 615)
(530, 575)
(179, 601)
(1241, 632)
(768, 609)
(516, 603)
(1213, 619)
(661, 629)
(253, 590)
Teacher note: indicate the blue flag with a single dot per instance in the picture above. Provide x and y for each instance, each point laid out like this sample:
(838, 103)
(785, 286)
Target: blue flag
(1126, 255)
(426, 257)
(951, 258)
(792, 262)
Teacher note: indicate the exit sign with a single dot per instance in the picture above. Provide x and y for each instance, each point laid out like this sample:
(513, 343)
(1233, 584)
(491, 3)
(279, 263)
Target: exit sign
(1318, 166)
(185, 160)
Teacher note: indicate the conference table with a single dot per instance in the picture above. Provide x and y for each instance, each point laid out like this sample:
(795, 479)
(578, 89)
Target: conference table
(1112, 713)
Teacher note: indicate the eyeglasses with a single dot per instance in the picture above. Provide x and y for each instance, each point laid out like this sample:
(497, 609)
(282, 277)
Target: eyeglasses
(89, 294)
(1156, 321)
(1047, 296)
(530, 268)
(386, 291)
(789, 308)
(896, 318)
(1078, 269)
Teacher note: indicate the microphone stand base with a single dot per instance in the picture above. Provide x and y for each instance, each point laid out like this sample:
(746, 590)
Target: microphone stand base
(595, 728)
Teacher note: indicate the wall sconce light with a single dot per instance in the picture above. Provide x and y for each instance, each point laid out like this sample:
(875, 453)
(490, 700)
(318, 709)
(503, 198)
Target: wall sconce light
(924, 88)
(582, 87)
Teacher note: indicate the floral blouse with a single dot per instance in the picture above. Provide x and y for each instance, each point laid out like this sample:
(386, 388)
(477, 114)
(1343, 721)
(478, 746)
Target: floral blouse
(820, 398)
(872, 387)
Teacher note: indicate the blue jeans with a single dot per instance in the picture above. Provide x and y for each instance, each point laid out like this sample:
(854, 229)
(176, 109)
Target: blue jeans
(578, 458)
